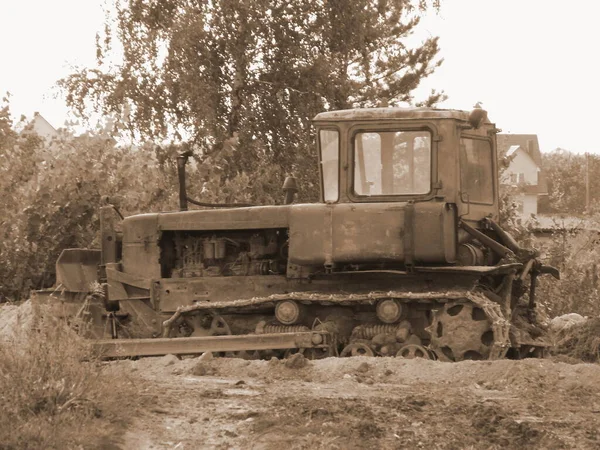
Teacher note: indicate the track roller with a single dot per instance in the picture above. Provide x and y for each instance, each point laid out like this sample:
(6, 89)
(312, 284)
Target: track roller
(289, 312)
(412, 351)
(357, 349)
(389, 310)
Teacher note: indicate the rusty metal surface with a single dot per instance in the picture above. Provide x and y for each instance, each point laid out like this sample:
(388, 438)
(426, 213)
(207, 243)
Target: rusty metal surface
(476, 270)
(77, 268)
(333, 262)
(257, 217)
(120, 348)
(318, 298)
(379, 114)
(372, 232)
(461, 333)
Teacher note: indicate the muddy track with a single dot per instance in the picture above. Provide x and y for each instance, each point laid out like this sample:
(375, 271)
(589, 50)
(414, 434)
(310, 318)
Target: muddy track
(356, 403)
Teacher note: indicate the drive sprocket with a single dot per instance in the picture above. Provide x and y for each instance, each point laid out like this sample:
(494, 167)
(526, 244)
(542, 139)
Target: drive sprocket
(462, 330)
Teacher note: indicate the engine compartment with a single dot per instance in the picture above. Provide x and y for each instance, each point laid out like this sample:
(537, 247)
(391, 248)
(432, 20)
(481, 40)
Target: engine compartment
(192, 254)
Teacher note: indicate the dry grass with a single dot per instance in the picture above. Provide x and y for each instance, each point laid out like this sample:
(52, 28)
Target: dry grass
(54, 394)
(581, 341)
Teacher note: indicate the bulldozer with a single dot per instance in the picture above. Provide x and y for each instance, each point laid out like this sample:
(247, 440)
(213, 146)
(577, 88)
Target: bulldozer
(403, 256)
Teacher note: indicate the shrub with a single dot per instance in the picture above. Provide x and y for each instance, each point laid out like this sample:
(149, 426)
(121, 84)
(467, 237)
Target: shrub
(576, 253)
(581, 341)
(54, 392)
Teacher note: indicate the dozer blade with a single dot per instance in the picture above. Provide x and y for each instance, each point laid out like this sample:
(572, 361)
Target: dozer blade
(120, 348)
(76, 268)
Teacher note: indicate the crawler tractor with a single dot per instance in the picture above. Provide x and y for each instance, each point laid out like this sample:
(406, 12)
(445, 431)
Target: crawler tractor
(403, 256)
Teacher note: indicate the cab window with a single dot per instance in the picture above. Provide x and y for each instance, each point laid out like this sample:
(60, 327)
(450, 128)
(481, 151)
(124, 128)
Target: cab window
(476, 171)
(329, 143)
(392, 163)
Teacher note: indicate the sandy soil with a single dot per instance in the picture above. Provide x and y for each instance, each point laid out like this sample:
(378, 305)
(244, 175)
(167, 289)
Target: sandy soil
(353, 403)
(356, 403)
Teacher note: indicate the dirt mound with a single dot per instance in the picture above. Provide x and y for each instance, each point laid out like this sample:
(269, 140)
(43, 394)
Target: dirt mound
(565, 321)
(19, 321)
(361, 402)
(15, 318)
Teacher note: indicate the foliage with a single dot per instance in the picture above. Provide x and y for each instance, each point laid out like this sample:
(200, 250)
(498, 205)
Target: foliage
(50, 193)
(576, 253)
(581, 341)
(239, 81)
(566, 175)
(510, 218)
(573, 249)
(51, 398)
(574, 245)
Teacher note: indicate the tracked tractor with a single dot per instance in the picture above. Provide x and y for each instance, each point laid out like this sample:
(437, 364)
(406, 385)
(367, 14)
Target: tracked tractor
(403, 256)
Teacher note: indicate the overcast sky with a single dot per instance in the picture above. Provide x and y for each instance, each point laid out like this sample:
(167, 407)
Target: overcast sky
(533, 64)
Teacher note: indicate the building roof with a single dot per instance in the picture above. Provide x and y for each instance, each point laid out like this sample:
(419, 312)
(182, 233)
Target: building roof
(41, 127)
(512, 150)
(508, 144)
(528, 142)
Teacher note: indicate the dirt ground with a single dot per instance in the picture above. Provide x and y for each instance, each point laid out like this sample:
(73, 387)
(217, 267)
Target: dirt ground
(361, 402)
(354, 403)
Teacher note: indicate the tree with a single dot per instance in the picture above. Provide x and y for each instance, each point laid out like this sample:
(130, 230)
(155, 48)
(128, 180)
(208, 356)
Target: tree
(566, 174)
(240, 80)
(50, 193)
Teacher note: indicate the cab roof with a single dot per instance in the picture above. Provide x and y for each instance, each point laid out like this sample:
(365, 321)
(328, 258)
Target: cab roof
(391, 113)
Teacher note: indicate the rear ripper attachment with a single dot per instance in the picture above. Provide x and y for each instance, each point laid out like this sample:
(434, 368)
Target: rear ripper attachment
(402, 256)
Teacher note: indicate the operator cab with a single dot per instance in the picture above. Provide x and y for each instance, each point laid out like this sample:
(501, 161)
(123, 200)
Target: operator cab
(409, 154)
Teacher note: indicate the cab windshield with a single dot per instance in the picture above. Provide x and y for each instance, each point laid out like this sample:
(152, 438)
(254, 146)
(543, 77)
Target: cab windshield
(392, 163)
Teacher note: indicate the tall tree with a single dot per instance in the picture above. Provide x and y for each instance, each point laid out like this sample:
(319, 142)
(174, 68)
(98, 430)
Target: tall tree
(566, 174)
(240, 80)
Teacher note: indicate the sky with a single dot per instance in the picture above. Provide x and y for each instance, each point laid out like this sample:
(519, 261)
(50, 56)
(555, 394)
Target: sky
(533, 64)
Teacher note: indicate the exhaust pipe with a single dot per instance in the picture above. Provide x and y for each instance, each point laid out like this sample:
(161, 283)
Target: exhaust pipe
(181, 162)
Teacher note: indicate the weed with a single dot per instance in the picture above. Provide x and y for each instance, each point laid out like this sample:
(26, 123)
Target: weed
(54, 392)
(581, 341)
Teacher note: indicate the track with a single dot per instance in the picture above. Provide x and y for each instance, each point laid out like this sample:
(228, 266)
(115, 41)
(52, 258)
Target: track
(466, 324)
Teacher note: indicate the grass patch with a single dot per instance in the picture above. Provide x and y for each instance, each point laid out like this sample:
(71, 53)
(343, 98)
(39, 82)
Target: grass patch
(54, 392)
(581, 341)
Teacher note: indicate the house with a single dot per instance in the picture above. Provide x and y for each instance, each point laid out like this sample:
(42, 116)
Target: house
(524, 171)
(41, 127)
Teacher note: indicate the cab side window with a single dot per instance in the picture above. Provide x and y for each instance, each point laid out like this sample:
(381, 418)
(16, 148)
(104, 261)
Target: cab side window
(329, 144)
(476, 171)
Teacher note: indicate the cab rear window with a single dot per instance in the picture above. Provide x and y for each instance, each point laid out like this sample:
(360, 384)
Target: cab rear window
(476, 171)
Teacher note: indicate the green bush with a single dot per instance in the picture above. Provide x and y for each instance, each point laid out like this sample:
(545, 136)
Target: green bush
(576, 254)
(50, 193)
(54, 393)
(581, 341)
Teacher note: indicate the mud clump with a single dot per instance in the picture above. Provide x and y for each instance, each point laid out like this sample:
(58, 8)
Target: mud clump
(169, 360)
(363, 368)
(201, 369)
(207, 356)
(296, 361)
